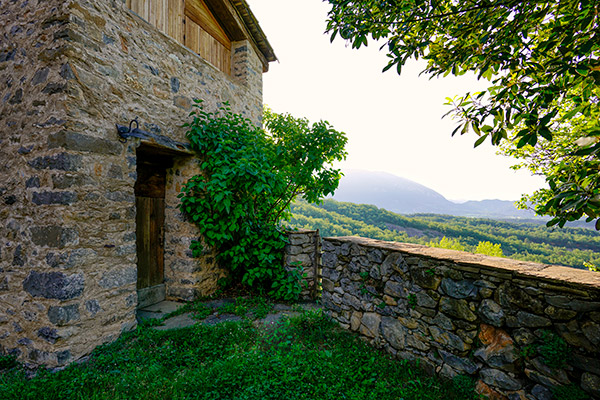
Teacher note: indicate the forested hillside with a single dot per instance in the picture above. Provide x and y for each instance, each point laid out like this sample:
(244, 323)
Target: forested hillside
(574, 247)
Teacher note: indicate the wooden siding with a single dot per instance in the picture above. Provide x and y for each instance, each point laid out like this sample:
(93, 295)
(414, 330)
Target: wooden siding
(191, 23)
(209, 48)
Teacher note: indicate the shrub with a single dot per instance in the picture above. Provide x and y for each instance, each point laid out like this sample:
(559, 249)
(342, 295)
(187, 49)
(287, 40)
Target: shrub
(250, 177)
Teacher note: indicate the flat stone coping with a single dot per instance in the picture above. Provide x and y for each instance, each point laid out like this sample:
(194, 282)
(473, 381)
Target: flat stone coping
(524, 269)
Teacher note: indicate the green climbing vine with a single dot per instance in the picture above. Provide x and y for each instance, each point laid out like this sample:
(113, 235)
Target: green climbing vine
(250, 177)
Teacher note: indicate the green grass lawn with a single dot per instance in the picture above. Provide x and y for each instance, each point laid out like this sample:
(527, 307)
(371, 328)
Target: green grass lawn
(305, 357)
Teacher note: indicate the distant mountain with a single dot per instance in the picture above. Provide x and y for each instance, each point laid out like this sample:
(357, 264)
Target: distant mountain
(404, 196)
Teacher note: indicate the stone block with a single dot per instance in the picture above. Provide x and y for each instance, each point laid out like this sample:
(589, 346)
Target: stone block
(559, 314)
(425, 300)
(66, 181)
(78, 142)
(48, 198)
(448, 339)
(93, 306)
(118, 277)
(459, 289)
(591, 384)
(491, 313)
(352, 301)
(462, 364)
(375, 256)
(499, 379)
(498, 349)
(557, 374)
(298, 239)
(541, 393)
(572, 304)
(418, 341)
(61, 316)
(510, 296)
(33, 182)
(48, 334)
(329, 259)
(370, 324)
(529, 320)
(394, 332)
(53, 236)
(54, 285)
(61, 161)
(395, 262)
(443, 322)
(426, 278)
(584, 363)
(395, 289)
(541, 378)
(302, 259)
(457, 308)
(591, 330)
(18, 257)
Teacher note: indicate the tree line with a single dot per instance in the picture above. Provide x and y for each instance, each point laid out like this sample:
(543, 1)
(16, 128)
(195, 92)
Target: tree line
(573, 247)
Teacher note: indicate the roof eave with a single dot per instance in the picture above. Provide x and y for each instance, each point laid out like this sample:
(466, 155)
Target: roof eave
(258, 36)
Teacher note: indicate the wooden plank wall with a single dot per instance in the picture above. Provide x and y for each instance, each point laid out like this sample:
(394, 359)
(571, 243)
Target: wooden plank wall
(209, 48)
(191, 23)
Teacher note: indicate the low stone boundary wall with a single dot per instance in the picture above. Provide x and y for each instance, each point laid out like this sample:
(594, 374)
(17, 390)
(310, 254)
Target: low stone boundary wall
(304, 250)
(520, 329)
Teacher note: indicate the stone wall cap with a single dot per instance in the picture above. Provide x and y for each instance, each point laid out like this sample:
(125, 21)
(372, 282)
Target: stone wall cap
(517, 268)
(302, 231)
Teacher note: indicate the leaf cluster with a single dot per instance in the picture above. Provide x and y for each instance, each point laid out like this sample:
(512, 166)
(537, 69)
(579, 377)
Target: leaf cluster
(249, 178)
(541, 58)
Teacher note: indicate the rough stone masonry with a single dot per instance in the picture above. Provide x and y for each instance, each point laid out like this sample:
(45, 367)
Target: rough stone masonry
(70, 71)
(494, 319)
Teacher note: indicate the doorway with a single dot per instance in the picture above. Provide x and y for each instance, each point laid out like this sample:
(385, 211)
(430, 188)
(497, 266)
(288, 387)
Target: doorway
(150, 224)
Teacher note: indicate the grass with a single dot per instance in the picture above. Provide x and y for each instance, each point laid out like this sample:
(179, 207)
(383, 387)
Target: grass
(249, 307)
(305, 357)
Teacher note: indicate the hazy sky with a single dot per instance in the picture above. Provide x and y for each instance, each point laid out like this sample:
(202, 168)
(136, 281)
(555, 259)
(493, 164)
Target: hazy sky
(393, 123)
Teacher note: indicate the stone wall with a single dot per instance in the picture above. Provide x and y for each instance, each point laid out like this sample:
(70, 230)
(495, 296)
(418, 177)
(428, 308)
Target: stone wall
(494, 319)
(70, 71)
(304, 250)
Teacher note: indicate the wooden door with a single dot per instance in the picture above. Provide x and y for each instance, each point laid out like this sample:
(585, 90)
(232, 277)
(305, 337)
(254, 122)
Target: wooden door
(150, 240)
(150, 218)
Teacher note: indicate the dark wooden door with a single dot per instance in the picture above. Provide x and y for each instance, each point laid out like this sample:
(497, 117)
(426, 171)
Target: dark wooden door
(150, 240)
(150, 218)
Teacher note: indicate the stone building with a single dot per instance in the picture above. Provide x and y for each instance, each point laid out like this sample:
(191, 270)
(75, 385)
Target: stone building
(89, 219)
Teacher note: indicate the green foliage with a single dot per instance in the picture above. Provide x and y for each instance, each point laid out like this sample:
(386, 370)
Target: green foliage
(301, 358)
(255, 307)
(249, 178)
(541, 59)
(489, 249)
(412, 300)
(553, 349)
(7, 361)
(465, 385)
(569, 164)
(518, 240)
(528, 351)
(448, 243)
(590, 266)
(198, 309)
(290, 287)
(569, 392)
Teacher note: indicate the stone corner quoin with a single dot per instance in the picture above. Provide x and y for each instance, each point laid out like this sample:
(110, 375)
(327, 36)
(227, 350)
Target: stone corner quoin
(68, 254)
